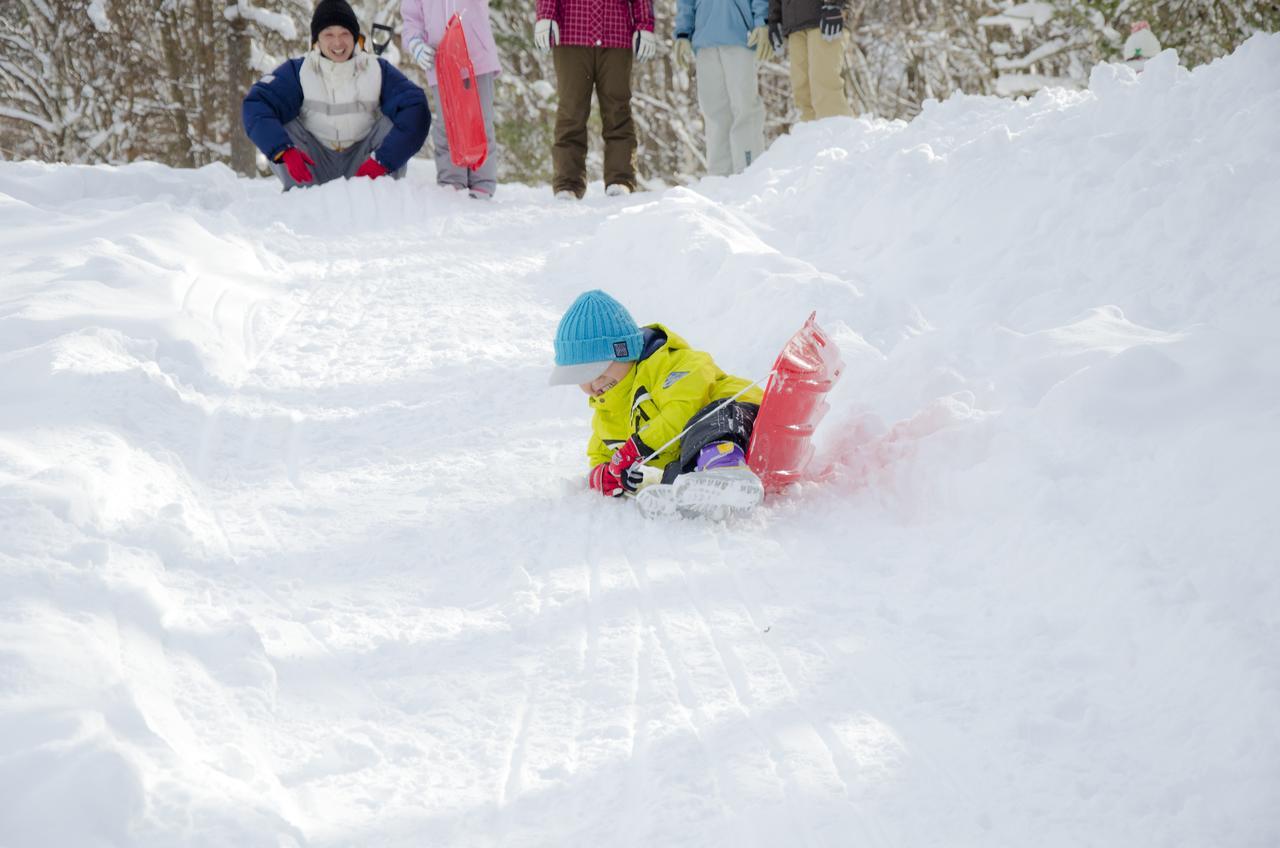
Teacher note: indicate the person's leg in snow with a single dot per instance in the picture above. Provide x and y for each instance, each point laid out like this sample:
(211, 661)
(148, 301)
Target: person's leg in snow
(825, 85)
(354, 156)
(325, 168)
(732, 111)
(717, 113)
(798, 54)
(482, 180)
(613, 93)
(447, 173)
(718, 422)
(746, 133)
(575, 80)
(331, 164)
(711, 479)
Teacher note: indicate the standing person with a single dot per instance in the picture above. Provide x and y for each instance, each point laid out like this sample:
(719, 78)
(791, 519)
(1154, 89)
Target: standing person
(337, 111)
(728, 38)
(592, 44)
(813, 31)
(424, 23)
(1140, 46)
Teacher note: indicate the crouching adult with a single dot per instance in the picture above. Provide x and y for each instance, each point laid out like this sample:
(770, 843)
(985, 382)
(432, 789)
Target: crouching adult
(337, 111)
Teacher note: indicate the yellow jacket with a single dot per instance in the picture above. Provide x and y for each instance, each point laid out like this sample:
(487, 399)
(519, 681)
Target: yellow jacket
(658, 396)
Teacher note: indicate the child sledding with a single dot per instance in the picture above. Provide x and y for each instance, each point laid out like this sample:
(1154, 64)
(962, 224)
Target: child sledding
(668, 425)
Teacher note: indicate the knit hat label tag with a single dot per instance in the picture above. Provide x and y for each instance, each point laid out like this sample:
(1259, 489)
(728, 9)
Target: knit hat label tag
(620, 350)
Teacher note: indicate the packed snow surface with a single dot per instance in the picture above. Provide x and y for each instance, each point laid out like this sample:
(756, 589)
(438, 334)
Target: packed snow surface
(295, 547)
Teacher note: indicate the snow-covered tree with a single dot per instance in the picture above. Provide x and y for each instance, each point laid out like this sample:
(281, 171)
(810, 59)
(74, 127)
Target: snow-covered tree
(65, 81)
(905, 51)
(117, 80)
(1056, 42)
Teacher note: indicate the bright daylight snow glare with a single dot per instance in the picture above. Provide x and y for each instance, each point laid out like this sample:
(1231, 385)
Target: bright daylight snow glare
(296, 549)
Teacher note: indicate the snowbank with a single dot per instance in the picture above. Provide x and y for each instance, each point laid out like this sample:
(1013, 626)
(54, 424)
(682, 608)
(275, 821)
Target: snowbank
(294, 548)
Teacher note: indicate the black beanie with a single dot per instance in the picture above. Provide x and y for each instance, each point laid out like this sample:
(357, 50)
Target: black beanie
(334, 13)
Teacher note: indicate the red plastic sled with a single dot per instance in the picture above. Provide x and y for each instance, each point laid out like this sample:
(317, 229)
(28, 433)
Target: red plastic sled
(460, 99)
(793, 404)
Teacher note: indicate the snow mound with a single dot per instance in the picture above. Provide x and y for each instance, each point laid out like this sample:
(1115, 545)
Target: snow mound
(294, 548)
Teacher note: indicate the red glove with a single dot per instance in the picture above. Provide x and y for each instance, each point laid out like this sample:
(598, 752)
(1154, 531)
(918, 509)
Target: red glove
(605, 481)
(622, 460)
(296, 162)
(372, 169)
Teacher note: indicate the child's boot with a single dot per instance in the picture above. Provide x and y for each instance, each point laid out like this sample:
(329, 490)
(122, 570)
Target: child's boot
(721, 485)
(720, 455)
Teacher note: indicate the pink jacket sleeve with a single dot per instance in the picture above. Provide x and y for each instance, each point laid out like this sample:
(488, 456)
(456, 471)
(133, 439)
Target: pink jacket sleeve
(546, 9)
(414, 24)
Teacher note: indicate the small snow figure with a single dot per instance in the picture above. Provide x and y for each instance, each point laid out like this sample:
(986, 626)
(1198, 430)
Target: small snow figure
(660, 409)
(1140, 46)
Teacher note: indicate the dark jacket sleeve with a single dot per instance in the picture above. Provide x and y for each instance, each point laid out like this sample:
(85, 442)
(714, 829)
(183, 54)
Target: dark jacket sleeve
(272, 102)
(797, 15)
(406, 105)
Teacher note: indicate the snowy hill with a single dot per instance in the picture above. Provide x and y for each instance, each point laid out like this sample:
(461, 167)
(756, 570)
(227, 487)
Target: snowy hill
(295, 550)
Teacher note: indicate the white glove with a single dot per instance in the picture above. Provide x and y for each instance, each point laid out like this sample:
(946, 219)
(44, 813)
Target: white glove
(546, 34)
(423, 54)
(646, 45)
(684, 53)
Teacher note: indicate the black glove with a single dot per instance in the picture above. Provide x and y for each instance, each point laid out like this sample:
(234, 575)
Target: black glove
(831, 20)
(775, 36)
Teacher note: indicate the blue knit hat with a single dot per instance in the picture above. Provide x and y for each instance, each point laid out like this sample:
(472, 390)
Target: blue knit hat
(595, 332)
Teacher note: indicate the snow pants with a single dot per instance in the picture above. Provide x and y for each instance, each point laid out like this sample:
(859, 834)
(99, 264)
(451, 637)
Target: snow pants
(484, 178)
(329, 163)
(729, 98)
(815, 74)
(606, 71)
(718, 421)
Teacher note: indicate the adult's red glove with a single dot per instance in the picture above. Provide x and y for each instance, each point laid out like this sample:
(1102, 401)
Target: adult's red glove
(605, 481)
(622, 460)
(372, 169)
(296, 161)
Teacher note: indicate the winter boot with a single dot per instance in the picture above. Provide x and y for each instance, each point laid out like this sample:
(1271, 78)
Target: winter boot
(721, 486)
(720, 455)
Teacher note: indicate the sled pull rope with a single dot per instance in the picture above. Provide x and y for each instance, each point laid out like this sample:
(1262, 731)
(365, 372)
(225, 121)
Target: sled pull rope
(643, 463)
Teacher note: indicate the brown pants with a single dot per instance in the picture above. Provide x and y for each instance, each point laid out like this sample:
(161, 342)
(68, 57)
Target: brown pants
(579, 71)
(815, 74)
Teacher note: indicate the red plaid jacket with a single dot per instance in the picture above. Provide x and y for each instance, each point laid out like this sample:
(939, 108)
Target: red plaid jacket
(598, 23)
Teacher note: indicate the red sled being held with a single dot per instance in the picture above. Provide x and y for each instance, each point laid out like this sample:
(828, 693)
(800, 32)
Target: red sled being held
(460, 99)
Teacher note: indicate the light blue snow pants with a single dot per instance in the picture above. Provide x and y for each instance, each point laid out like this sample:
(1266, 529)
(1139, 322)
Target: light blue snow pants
(731, 108)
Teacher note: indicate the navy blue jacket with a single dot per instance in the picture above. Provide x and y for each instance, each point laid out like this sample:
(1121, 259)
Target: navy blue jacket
(276, 99)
